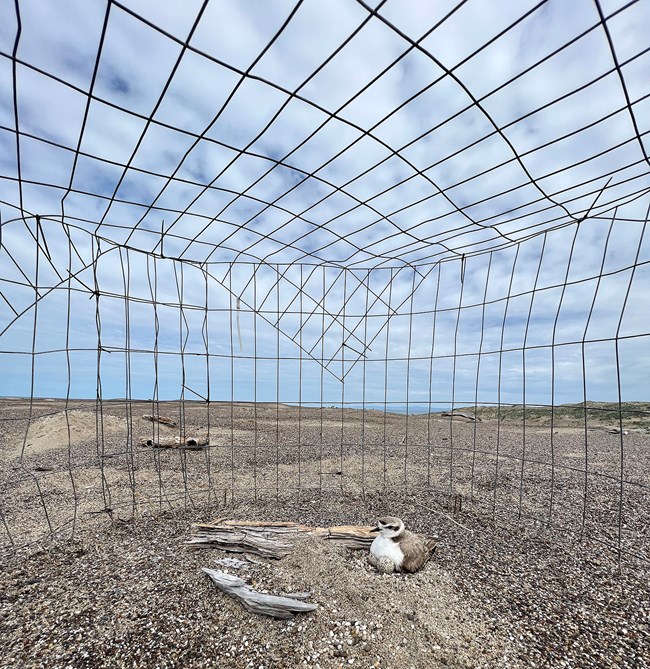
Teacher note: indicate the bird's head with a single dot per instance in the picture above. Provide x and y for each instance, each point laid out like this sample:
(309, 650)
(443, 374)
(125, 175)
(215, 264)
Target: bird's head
(389, 527)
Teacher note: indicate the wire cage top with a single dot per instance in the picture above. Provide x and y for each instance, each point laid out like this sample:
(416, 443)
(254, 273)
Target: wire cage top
(274, 133)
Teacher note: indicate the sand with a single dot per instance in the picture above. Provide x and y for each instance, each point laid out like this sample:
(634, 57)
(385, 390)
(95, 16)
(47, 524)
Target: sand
(64, 428)
(98, 574)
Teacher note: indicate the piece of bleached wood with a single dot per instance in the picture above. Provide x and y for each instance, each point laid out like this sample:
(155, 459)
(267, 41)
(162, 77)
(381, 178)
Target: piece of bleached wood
(270, 526)
(297, 595)
(235, 541)
(258, 602)
(272, 539)
(163, 420)
(196, 441)
(356, 537)
(186, 442)
(459, 414)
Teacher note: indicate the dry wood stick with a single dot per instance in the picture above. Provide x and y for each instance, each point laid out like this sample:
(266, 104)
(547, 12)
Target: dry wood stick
(269, 539)
(188, 442)
(258, 602)
(454, 414)
(163, 420)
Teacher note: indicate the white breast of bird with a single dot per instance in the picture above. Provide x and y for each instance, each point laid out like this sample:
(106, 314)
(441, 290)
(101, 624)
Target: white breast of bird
(384, 547)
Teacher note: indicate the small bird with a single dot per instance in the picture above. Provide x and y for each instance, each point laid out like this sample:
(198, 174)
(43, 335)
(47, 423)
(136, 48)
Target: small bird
(397, 549)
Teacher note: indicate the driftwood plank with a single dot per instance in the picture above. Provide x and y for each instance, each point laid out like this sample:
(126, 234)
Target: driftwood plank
(268, 527)
(459, 414)
(186, 442)
(609, 430)
(297, 595)
(163, 420)
(273, 539)
(258, 602)
(237, 541)
(351, 536)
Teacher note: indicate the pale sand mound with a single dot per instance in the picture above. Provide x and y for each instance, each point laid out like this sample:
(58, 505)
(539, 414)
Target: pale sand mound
(368, 619)
(51, 432)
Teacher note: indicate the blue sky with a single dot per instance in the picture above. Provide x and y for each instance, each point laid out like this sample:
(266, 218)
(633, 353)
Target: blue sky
(435, 131)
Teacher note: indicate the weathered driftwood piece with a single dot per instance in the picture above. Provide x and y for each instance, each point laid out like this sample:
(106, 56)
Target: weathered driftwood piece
(163, 420)
(187, 442)
(356, 537)
(302, 596)
(258, 602)
(236, 540)
(459, 414)
(197, 441)
(609, 430)
(272, 539)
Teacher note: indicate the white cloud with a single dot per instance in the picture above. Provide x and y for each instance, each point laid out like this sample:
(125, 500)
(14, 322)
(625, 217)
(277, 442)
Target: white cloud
(215, 177)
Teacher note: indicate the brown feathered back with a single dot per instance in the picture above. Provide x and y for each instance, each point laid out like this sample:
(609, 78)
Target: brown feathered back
(417, 550)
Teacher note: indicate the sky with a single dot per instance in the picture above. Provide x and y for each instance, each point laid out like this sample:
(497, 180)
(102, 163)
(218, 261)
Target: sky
(397, 204)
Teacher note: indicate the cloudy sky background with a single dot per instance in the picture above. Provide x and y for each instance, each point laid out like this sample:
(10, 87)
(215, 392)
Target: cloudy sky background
(326, 149)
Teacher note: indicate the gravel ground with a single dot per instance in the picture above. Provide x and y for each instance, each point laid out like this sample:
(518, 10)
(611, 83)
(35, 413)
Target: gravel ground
(133, 595)
(499, 592)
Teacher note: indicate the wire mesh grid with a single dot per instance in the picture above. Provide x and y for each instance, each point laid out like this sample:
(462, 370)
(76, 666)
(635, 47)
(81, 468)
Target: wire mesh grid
(350, 292)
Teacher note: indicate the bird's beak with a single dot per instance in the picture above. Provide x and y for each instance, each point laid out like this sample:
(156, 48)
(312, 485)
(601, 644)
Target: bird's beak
(375, 529)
